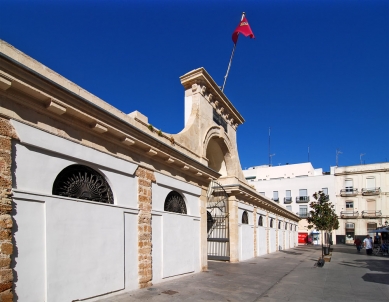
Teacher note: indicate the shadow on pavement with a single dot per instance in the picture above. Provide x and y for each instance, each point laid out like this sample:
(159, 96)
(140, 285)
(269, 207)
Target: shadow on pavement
(376, 278)
(291, 253)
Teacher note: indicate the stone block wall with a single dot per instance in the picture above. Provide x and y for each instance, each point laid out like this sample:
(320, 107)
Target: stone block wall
(7, 133)
(145, 179)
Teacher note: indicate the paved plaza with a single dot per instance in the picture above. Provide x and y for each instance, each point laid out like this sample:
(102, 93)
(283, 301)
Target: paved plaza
(289, 275)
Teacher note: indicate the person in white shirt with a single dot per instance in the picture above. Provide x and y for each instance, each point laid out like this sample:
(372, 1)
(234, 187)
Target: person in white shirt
(368, 244)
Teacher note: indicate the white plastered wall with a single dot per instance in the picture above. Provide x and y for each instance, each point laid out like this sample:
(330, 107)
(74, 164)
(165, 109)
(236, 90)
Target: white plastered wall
(261, 234)
(272, 234)
(246, 232)
(176, 237)
(61, 242)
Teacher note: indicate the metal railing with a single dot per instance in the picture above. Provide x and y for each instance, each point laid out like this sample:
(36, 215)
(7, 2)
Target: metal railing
(276, 199)
(371, 191)
(371, 213)
(302, 199)
(348, 192)
(349, 214)
(303, 215)
(288, 199)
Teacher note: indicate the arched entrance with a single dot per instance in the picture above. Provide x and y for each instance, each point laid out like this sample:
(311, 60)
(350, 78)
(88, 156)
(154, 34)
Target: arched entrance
(218, 239)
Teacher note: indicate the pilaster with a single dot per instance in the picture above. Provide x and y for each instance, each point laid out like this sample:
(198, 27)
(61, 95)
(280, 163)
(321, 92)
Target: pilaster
(255, 225)
(267, 233)
(203, 231)
(7, 133)
(234, 228)
(145, 269)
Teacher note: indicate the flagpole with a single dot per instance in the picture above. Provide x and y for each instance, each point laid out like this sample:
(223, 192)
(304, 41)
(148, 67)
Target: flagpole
(232, 56)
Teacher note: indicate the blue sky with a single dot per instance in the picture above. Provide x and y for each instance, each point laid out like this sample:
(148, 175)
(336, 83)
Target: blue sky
(317, 72)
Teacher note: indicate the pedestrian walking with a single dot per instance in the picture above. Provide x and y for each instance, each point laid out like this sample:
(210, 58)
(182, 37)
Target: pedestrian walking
(368, 244)
(358, 244)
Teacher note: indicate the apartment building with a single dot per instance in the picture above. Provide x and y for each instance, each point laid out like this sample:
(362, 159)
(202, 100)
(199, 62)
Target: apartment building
(292, 186)
(362, 199)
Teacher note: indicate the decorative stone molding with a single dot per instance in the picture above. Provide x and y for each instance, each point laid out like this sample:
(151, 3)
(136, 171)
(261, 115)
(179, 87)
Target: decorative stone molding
(99, 128)
(211, 91)
(5, 83)
(55, 108)
(128, 141)
(7, 133)
(145, 179)
(152, 152)
(170, 160)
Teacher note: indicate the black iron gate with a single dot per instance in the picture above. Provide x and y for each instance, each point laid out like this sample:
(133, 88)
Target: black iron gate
(217, 223)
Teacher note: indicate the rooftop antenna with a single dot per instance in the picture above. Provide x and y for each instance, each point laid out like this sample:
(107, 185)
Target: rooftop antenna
(269, 149)
(271, 155)
(360, 157)
(337, 155)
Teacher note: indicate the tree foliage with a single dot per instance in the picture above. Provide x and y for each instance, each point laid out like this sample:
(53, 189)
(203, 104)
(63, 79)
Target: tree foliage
(323, 216)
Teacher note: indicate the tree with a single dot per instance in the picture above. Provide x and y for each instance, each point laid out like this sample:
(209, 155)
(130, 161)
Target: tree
(322, 216)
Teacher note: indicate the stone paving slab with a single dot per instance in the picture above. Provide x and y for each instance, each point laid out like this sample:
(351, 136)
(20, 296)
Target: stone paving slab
(289, 275)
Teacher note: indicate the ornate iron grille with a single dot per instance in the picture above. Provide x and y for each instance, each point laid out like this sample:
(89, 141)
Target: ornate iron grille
(245, 218)
(260, 220)
(82, 182)
(217, 223)
(175, 203)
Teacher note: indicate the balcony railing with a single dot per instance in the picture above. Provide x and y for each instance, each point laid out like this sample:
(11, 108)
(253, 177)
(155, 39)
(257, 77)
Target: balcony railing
(288, 199)
(302, 199)
(371, 213)
(349, 214)
(349, 192)
(371, 191)
(276, 199)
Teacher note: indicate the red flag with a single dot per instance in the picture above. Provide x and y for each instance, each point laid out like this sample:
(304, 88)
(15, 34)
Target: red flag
(243, 28)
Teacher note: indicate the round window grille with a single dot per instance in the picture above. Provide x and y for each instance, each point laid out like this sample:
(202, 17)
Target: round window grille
(175, 203)
(245, 218)
(82, 182)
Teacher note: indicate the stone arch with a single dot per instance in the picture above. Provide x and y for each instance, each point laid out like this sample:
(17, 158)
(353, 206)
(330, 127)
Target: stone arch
(217, 149)
(83, 182)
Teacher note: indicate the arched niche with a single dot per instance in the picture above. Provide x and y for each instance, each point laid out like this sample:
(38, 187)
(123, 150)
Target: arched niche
(218, 156)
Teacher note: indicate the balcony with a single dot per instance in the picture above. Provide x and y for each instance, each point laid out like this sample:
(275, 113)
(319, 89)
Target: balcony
(302, 199)
(371, 213)
(275, 199)
(303, 215)
(371, 191)
(349, 214)
(348, 192)
(288, 199)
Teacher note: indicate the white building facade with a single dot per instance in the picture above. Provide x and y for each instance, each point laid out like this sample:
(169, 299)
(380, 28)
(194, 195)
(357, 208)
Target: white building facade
(95, 201)
(292, 186)
(362, 200)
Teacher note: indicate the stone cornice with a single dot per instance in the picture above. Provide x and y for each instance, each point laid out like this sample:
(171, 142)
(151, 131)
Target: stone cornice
(52, 99)
(362, 172)
(200, 81)
(252, 197)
